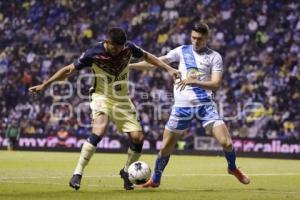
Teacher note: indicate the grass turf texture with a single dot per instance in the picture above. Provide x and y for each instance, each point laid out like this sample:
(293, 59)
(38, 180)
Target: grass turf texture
(45, 175)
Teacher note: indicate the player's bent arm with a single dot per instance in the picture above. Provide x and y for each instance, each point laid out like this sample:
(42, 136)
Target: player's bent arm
(146, 65)
(61, 74)
(213, 84)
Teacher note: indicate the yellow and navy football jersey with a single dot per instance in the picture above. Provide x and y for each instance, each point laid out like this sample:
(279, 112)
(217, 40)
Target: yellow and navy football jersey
(110, 72)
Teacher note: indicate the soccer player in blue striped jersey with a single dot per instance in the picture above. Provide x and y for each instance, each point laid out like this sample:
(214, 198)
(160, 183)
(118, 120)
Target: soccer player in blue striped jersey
(201, 69)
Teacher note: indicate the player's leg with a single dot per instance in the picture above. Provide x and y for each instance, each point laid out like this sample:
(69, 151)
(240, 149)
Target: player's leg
(178, 122)
(212, 122)
(168, 144)
(125, 118)
(133, 154)
(221, 133)
(89, 147)
(135, 148)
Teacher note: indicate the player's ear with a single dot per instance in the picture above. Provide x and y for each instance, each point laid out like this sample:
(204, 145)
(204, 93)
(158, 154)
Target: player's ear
(106, 41)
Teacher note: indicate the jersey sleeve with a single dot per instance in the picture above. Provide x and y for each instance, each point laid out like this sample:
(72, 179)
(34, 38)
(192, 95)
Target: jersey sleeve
(173, 55)
(136, 51)
(217, 63)
(85, 60)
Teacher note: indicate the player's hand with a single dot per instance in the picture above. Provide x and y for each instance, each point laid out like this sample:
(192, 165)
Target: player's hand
(37, 88)
(175, 74)
(182, 84)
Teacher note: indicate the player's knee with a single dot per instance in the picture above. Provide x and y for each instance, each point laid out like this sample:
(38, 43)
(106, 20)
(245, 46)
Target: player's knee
(138, 138)
(136, 147)
(227, 144)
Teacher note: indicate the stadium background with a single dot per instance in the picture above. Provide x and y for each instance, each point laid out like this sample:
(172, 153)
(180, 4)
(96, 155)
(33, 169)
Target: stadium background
(259, 42)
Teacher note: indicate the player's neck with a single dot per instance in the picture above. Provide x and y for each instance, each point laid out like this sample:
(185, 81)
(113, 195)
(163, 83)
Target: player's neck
(107, 51)
(201, 50)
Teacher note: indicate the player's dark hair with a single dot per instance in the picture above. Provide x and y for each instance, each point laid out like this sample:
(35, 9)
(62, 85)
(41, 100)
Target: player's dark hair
(201, 28)
(117, 35)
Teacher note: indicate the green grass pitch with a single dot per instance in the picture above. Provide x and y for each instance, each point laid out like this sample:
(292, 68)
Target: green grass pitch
(45, 175)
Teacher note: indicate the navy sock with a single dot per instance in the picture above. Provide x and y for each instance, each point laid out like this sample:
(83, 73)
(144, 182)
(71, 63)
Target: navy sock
(94, 139)
(230, 157)
(160, 164)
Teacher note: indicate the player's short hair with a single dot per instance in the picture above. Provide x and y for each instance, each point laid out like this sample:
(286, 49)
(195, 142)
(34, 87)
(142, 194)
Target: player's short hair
(201, 28)
(116, 35)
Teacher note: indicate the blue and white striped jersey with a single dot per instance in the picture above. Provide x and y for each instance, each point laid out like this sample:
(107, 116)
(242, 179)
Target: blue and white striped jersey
(194, 65)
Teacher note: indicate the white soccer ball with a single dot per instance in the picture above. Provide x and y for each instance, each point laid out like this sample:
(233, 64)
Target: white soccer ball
(139, 172)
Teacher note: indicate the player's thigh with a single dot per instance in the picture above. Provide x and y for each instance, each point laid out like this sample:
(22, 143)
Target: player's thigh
(99, 124)
(180, 119)
(207, 114)
(169, 142)
(221, 133)
(100, 106)
(124, 116)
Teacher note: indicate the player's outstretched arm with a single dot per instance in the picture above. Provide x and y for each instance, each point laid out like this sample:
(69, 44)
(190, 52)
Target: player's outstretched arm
(149, 58)
(213, 84)
(61, 74)
(145, 65)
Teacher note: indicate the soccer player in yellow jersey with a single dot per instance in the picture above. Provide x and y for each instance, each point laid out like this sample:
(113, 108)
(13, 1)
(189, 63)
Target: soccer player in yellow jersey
(109, 61)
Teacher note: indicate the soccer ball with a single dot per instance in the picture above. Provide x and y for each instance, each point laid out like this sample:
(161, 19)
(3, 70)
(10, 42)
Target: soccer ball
(139, 172)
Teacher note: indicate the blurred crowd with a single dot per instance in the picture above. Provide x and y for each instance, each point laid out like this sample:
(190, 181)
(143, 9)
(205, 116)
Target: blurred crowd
(259, 42)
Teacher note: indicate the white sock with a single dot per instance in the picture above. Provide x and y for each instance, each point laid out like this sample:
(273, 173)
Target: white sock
(132, 157)
(87, 152)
